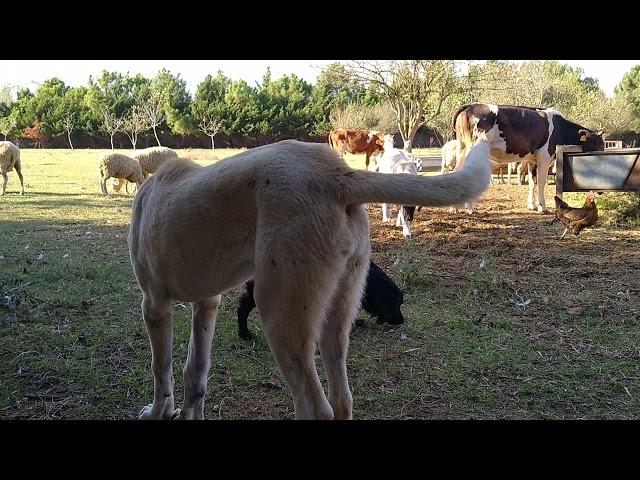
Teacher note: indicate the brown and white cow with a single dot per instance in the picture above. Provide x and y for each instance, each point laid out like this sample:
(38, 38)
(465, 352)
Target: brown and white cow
(521, 133)
(356, 141)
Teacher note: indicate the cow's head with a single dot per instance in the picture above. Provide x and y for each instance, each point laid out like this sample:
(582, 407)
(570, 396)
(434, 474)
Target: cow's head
(591, 141)
(376, 138)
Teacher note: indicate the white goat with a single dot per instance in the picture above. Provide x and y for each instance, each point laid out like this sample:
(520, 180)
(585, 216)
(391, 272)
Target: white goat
(394, 160)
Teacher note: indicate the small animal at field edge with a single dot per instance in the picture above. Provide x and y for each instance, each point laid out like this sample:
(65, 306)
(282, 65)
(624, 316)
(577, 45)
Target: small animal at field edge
(576, 219)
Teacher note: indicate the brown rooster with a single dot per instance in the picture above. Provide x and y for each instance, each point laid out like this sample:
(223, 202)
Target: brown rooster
(575, 219)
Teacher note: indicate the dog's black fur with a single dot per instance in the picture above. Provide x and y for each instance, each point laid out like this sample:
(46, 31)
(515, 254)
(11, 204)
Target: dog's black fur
(381, 299)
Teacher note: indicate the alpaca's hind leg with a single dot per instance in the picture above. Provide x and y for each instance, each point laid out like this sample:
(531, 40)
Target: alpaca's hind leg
(157, 318)
(334, 339)
(198, 361)
(292, 304)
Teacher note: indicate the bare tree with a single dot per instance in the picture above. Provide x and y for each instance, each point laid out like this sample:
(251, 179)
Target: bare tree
(6, 94)
(7, 124)
(596, 111)
(112, 124)
(210, 125)
(442, 124)
(415, 89)
(154, 112)
(366, 117)
(68, 122)
(135, 124)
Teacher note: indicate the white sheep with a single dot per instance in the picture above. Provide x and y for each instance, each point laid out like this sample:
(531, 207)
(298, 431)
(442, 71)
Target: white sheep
(10, 159)
(151, 158)
(117, 165)
(449, 156)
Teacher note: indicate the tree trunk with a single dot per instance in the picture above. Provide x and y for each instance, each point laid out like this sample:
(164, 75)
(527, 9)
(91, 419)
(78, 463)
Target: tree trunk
(213, 146)
(156, 135)
(69, 137)
(112, 141)
(408, 142)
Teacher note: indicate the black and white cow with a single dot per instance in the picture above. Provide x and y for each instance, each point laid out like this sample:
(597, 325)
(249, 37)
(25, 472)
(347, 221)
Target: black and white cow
(521, 133)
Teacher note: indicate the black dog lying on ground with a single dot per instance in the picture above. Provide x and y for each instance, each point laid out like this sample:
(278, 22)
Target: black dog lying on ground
(381, 299)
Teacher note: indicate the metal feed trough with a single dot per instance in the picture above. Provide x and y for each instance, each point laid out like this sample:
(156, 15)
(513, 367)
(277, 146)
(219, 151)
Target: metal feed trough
(614, 170)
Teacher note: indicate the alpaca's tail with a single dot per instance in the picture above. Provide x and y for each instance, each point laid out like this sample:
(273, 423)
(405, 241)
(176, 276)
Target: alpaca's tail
(437, 191)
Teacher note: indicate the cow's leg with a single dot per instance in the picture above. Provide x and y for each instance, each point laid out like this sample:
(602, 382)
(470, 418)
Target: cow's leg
(544, 161)
(509, 170)
(5, 179)
(406, 224)
(386, 212)
(530, 204)
(470, 207)
(157, 318)
(366, 161)
(519, 173)
(198, 361)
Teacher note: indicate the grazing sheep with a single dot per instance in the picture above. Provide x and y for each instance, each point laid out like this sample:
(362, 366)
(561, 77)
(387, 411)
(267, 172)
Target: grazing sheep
(10, 159)
(117, 165)
(151, 158)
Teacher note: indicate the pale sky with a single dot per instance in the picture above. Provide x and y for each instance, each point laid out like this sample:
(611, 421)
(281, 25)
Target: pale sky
(28, 73)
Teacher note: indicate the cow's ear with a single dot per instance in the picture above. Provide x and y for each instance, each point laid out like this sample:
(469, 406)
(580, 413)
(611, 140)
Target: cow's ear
(583, 134)
(599, 133)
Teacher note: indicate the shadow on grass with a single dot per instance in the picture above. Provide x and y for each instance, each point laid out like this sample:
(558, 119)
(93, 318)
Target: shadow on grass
(61, 200)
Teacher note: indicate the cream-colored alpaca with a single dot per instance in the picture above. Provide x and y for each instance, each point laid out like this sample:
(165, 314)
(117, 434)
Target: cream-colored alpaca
(289, 214)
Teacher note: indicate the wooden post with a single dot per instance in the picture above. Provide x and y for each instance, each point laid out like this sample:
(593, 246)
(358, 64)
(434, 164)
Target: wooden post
(560, 151)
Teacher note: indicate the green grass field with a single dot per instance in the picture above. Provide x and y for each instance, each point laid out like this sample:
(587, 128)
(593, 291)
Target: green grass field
(502, 320)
